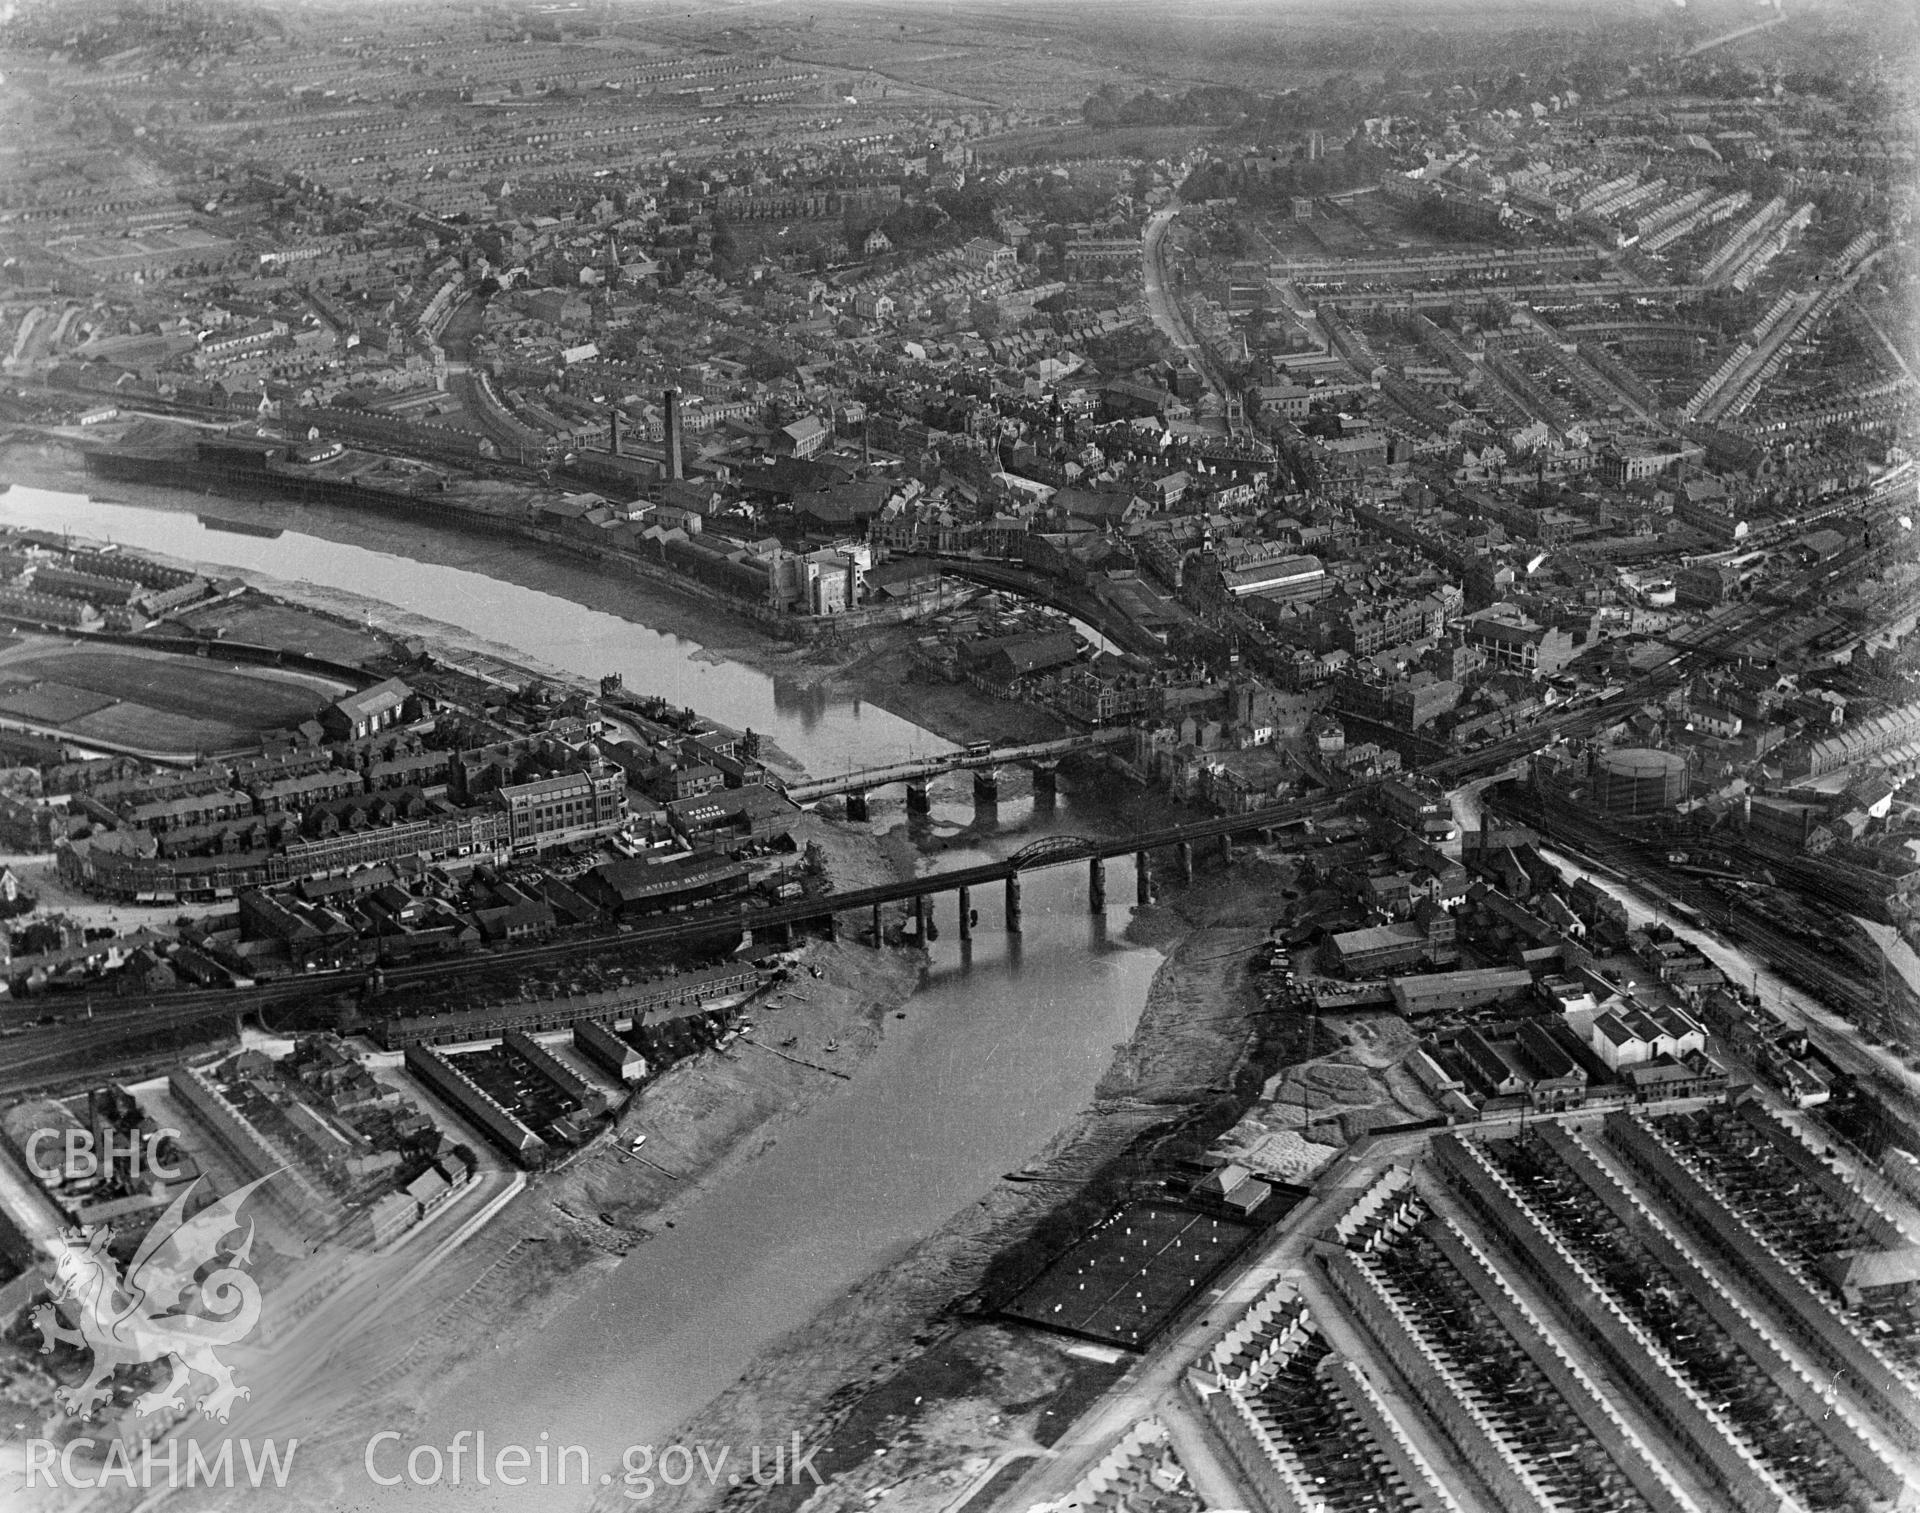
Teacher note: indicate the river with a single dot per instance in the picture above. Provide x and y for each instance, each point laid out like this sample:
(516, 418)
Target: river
(1004, 1044)
(497, 591)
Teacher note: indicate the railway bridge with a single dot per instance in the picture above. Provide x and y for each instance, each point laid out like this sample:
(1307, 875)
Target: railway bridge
(1176, 842)
(61, 1049)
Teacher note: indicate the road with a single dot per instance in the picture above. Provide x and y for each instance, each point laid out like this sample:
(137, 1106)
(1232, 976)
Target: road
(466, 386)
(1736, 34)
(1727, 397)
(1152, 1384)
(1872, 323)
(1165, 309)
(95, 1046)
(1764, 959)
(297, 1376)
(953, 761)
(465, 322)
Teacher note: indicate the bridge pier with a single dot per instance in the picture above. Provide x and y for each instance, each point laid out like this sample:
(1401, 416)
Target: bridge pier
(920, 918)
(857, 804)
(1097, 885)
(1183, 850)
(966, 913)
(918, 799)
(1046, 784)
(1226, 849)
(1142, 880)
(833, 926)
(1013, 903)
(986, 785)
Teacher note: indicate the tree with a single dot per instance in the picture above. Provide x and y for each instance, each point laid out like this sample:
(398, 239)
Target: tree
(725, 248)
(42, 935)
(1102, 108)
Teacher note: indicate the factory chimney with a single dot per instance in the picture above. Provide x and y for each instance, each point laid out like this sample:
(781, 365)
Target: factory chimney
(675, 467)
(613, 436)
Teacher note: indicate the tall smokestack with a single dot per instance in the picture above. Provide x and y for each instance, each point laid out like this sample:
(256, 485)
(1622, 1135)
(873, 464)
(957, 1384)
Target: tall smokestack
(675, 467)
(613, 436)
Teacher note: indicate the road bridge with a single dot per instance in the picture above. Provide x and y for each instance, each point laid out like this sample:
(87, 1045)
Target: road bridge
(1180, 839)
(122, 1035)
(983, 761)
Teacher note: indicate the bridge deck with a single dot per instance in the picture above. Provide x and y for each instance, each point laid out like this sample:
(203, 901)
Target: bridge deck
(718, 921)
(951, 761)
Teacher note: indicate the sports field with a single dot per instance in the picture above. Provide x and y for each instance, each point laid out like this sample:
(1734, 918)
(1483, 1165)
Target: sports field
(264, 623)
(1126, 1277)
(150, 701)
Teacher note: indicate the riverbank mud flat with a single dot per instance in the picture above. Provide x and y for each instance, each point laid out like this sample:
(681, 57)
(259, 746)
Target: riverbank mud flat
(709, 1118)
(907, 1381)
(706, 1120)
(875, 666)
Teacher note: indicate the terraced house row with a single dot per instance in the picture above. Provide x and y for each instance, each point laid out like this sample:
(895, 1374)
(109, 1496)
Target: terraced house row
(1630, 1312)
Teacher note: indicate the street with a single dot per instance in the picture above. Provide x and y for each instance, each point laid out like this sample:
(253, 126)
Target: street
(1165, 309)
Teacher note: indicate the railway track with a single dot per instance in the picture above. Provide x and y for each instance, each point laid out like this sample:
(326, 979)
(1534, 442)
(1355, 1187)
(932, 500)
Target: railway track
(90, 1033)
(1826, 977)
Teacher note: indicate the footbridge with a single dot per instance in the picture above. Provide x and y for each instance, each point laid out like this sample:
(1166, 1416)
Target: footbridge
(983, 761)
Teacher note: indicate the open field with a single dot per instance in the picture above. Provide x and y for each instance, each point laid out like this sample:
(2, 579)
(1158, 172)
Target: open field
(144, 728)
(1047, 56)
(263, 624)
(53, 703)
(183, 686)
(149, 701)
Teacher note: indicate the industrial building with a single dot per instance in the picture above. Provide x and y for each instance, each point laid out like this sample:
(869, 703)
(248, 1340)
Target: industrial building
(608, 1051)
(1286, 579)
(656, 999)
(1428, 936)
(574, 806)
(1639, 780)
(1447, 992)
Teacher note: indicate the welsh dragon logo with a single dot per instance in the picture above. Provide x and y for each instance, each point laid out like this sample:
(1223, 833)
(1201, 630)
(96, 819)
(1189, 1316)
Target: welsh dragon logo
(143, 1316)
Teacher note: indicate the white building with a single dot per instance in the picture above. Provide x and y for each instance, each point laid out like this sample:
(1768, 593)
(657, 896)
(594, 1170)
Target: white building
(1628, 1037)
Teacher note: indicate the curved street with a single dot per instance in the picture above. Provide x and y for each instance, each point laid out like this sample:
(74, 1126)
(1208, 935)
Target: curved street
(1165, 309)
